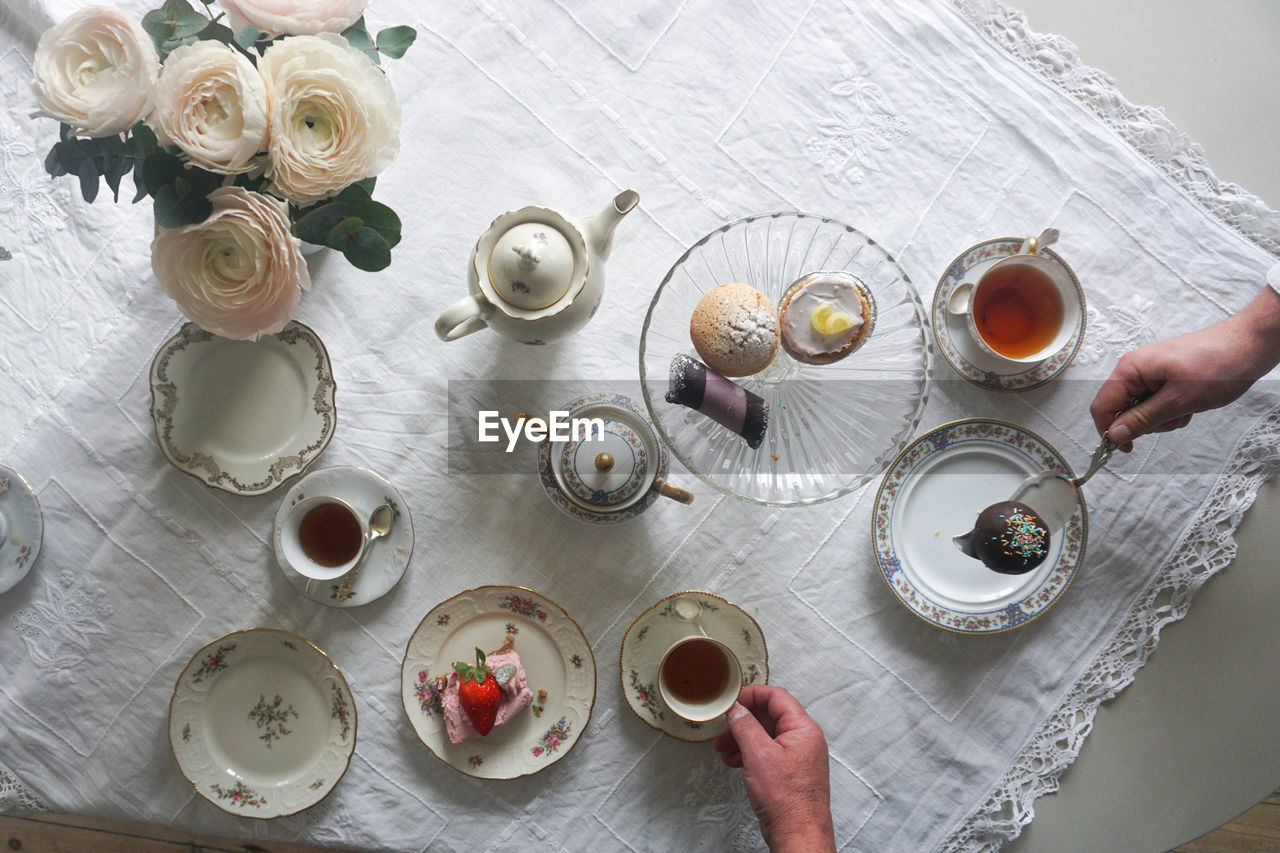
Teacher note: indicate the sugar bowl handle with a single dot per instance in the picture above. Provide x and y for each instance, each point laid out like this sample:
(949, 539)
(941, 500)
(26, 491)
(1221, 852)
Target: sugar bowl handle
(674, 492)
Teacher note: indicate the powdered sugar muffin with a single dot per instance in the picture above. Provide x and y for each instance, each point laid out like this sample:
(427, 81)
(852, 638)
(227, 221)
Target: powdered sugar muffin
(735, 329)
(825, 316)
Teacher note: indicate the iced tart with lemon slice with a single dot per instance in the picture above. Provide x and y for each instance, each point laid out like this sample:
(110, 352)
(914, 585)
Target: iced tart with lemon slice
(825, 316)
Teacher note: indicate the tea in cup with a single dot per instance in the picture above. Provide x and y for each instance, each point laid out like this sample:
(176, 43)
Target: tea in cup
(323, 537)
(1022, 310)
(699, 679)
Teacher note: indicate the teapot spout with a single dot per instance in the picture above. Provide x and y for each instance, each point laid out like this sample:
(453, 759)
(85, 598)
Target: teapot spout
(599, 228)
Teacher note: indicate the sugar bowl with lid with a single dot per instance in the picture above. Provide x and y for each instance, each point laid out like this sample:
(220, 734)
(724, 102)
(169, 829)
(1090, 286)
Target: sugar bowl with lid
(610, 469)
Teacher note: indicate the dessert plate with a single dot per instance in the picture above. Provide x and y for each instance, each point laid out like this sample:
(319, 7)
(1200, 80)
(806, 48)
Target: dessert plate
(653, 632)
(242, 416)
(21, 528)
(387, 558)
(934, 490)
(832, 428)
(262, 723)
(952, 333)
(556, 658)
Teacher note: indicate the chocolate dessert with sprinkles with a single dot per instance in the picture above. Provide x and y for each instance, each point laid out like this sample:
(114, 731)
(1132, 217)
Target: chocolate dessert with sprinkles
(1010, 538)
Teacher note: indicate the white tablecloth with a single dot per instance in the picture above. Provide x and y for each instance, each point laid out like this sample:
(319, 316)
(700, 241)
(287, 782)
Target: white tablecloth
(928, 125)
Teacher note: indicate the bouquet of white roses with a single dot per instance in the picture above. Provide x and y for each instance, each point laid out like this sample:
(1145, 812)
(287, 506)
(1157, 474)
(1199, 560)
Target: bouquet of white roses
(252, 129)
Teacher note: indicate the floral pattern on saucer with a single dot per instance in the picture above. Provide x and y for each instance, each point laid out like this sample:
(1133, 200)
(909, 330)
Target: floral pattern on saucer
(388, 557)
(653, 632)
(557, 661)
(206, 447)
(278, 747)
(1044, 586)
(952, 333)
(21, 528)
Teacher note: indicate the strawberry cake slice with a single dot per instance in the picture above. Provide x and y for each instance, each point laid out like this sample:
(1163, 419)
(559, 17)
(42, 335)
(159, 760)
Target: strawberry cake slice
(514, 695)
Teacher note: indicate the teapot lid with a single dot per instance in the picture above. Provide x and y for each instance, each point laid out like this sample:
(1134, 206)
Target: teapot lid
(531, 265)
(608, 470)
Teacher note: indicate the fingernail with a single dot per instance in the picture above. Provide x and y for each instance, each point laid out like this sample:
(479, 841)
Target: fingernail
(737, 711)
(1120, 434)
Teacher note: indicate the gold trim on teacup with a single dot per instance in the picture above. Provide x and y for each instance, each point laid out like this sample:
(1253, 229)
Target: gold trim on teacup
(764, 647)
(595, 676)
(1084, 525)
(355, 728)
(332, 401)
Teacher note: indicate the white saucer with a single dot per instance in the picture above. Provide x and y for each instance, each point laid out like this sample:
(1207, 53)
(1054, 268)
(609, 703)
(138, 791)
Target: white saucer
(653, 632)
(933, 491)
(388, 557)
(262, 723)
(963, 353)
(243, 416)
(556, 658)
(21, 528)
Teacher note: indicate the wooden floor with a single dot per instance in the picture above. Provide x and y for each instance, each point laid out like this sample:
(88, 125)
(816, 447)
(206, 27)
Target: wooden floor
(1255, 831)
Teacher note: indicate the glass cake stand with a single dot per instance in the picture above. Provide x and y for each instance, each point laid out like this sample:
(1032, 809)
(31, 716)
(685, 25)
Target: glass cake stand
(832, 428)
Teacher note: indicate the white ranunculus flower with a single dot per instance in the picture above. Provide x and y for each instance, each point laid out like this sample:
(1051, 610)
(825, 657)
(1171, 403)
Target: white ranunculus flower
(211, 102)
(334, 116)
(237, 273)
(95, 72)
(293, 17)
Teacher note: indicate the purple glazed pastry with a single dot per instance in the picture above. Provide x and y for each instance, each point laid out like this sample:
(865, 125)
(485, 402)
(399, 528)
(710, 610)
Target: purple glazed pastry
(697, 386)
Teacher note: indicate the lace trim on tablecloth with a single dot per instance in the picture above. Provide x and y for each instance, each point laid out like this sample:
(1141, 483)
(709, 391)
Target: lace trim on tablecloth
(16, 798)
(1146, 129)
(1205, 550)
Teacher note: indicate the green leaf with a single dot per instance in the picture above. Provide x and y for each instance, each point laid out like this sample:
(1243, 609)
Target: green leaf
(247, 37)
(317, 221)
(160, 169)
(380, 218)
(367, 251)
(219, 33)
(367, 184)
(394, 41)
(174, 208)
(88, 173)
(343, 232)
(357, 35)
(356, 193)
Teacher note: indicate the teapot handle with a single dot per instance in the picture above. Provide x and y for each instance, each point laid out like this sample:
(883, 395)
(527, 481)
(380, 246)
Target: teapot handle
(674, 492)
(460, 319)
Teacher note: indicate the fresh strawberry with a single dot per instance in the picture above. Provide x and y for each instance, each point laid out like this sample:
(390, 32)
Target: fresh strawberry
(478, 693)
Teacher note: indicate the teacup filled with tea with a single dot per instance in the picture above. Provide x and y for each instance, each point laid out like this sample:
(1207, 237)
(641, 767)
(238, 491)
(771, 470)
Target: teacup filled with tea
(323, 537)
(699, 679)
(1024, 308)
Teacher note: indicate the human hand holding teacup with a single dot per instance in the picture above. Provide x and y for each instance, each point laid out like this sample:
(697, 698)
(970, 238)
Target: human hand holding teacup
(1024, 308)
(323, 537)
(699, 678)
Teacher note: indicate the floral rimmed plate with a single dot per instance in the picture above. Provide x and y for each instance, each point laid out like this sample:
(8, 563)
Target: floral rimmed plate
(262, 723)
(21, 528)
(933, 491)
(952, 332)
(556, 658)
(243, 416)
(388, 557)
(653, 632)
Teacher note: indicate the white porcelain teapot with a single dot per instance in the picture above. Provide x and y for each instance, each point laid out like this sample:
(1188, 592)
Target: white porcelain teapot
(536, 275)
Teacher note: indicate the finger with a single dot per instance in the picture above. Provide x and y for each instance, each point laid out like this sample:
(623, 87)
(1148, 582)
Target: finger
(1161, 407)
(724, 742)
(732, 759)
(1176, 423)
(751, 737)
(1126, 380)
(787, 710)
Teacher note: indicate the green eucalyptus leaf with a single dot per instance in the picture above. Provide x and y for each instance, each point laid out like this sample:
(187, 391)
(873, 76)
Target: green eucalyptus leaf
(344, 231)
(380, 218)
(356, 193)
(314, 223)
(357, 35)
(88, 174)
(367, 185)
(394, 41)
(175, 208)
(247, 37)
(219, 33)
(159, 169)
(366, 250)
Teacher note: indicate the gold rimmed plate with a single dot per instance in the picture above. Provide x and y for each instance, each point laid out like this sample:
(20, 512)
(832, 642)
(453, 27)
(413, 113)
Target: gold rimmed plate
(243, 416)
(557, 660)
(262, 723)
(21, 528)
(663, 623)
(933, 491)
